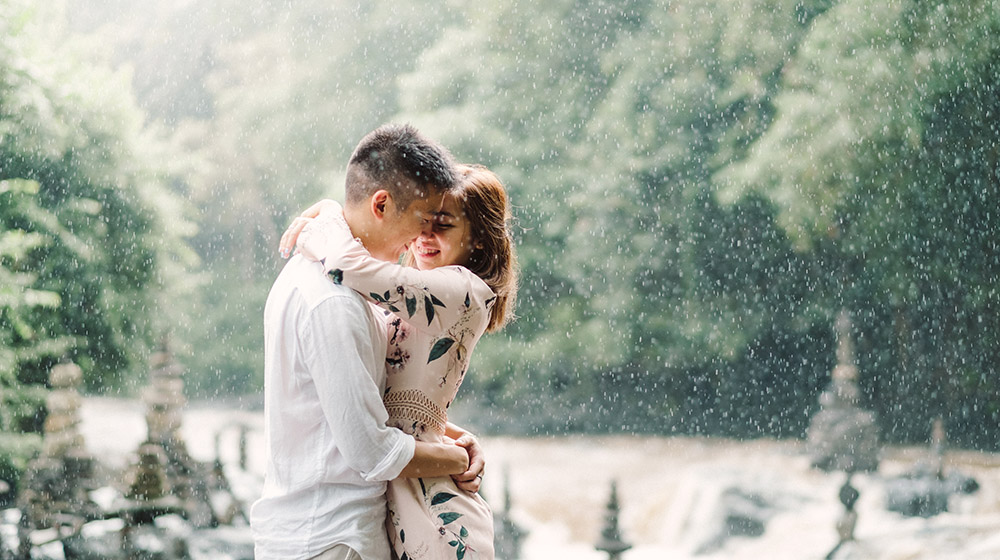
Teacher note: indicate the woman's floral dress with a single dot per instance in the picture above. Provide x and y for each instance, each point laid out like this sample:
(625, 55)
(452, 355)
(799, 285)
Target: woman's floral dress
(435, 318)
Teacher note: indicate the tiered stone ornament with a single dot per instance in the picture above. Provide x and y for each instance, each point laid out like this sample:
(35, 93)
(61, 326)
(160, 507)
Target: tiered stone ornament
(612, 542)
(55, 486)
(164, 399)
(508, 533)
(842, 436)
(166, 472)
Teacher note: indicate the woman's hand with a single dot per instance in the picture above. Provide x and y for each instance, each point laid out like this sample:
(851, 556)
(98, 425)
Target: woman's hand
(472, 478)
(291, 235)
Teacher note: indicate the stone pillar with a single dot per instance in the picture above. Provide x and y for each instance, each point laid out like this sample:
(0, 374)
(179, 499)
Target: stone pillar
(507, 534)
(148, 480)
(164, 399)
(62, 434)
(842, 436)
(56, 482)
(164, 448)
(611, 540)
(186, 479)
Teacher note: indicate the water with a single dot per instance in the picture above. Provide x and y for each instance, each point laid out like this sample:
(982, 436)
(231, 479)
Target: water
(670, 490)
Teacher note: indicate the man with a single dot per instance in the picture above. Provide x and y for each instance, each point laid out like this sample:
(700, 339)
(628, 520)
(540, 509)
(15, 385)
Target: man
(329, 452)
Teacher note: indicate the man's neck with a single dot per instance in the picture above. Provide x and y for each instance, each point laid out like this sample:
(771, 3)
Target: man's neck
(364, 227)
(356, 222)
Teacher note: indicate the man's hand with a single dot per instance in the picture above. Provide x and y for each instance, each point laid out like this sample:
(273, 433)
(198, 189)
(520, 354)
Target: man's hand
(472, 478)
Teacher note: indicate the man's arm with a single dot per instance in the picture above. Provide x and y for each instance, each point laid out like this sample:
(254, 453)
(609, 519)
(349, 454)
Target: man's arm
(337, 348)
(341, 356)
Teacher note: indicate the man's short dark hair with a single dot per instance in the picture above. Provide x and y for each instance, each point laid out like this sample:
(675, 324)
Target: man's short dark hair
(401, 160)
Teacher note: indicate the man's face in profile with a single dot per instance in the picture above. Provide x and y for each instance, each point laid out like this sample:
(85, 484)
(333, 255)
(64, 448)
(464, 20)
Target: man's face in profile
(406, 225)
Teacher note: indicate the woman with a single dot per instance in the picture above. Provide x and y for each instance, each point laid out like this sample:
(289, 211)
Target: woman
(459, 281)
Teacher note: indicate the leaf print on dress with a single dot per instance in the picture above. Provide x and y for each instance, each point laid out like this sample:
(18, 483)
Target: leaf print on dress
(336, 275)
(453, 343)
(441, 497)
(386, 300)
(429, 302)
(440, 347)
(404, 297)
(450, 528)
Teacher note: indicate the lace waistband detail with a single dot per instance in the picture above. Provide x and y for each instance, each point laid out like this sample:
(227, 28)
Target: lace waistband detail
(410, 406)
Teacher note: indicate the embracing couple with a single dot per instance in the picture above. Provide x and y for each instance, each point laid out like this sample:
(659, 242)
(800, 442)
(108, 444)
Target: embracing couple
(363, 357)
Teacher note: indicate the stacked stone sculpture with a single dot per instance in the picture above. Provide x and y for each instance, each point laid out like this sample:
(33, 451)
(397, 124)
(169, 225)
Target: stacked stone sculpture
(508, 534)
(183, 478)
(55, 485)
(611, 540)
(842, 436)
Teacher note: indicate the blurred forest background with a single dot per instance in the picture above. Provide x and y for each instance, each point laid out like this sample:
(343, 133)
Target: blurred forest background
(700, 187)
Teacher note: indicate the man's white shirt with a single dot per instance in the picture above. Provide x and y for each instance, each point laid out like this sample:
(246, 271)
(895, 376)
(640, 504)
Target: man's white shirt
(329, 452)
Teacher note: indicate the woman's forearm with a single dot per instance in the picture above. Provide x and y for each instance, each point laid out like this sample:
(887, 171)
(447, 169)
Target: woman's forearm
(436, 459)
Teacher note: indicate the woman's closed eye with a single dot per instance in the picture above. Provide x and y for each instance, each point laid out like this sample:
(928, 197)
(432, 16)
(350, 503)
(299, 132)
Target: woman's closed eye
(443, 222)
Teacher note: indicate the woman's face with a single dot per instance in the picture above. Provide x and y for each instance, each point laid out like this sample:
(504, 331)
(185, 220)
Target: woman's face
(449, 240)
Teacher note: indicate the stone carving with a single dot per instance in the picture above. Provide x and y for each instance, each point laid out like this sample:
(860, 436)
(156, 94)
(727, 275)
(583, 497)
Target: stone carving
(612, 540)
(55, 485)
(508, 533)
(842, 436)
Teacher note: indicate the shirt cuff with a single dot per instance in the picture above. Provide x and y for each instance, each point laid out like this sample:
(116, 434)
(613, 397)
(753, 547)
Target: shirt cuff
(395, 461)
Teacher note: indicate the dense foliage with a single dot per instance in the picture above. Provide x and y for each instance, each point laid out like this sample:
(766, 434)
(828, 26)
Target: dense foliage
(705, 184)
(701, 186)
(83, 240)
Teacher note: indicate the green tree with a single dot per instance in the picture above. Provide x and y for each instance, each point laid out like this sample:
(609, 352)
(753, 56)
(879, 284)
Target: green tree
(608, 121)
(83, 234)
(21, 404)
(882, 156)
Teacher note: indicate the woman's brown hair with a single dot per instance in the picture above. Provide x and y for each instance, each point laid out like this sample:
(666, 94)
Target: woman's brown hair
(493, 259)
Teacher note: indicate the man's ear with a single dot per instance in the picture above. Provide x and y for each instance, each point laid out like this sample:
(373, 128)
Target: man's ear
(380, 202)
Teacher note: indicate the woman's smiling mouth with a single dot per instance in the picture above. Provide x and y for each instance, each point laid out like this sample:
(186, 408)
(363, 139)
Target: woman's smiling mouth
(427, 252)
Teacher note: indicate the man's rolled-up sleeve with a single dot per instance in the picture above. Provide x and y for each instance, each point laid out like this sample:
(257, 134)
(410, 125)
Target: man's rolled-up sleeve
(340, 357)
